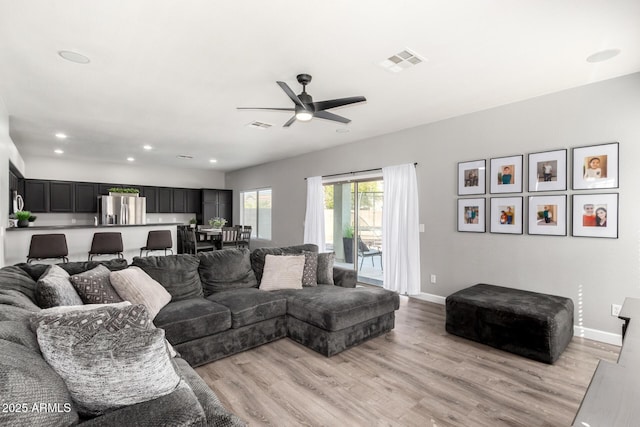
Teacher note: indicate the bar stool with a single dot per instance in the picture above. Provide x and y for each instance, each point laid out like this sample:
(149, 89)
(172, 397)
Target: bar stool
(106, 244)
(48, 246)
(158, 240)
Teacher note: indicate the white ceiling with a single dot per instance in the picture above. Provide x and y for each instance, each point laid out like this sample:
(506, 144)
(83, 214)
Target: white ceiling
(171, 74)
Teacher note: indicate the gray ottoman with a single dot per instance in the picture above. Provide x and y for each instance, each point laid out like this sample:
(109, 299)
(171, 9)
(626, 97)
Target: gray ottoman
(533, 325)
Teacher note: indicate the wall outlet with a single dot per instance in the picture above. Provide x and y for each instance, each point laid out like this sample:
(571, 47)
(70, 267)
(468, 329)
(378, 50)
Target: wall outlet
(615, 309)
(73, 220)
(433, 278)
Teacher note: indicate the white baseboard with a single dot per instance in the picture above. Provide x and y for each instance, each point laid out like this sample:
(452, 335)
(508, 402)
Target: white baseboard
(578, 331)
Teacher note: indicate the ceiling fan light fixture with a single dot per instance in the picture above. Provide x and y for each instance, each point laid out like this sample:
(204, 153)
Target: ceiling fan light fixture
(304, 115)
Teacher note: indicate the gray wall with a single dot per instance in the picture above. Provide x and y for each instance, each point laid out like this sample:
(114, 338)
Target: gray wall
(593, 272)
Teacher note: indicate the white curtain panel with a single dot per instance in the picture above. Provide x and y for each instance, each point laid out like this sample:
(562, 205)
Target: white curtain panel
(400, 230)
(314, 217)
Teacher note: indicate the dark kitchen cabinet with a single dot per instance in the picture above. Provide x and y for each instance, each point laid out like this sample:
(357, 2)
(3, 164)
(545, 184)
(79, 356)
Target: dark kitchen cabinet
(86, 194)
(151, 195)
(165, 200)
(61, 196)
(194, 201)
(217, 203)
(179, 200)
(36, 195)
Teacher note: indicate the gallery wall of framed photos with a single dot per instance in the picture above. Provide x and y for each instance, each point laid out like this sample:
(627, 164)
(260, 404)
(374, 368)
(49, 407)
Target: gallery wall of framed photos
(592, 210)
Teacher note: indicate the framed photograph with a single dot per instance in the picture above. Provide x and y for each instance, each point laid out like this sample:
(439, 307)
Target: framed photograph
(471, 215)
(548, 215)
(471, 177)
(548, 171)
(506, 215)
(506, 174)
(595, 166)
(595, 215)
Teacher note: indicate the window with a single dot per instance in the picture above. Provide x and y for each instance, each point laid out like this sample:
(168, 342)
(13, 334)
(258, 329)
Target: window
(255, 210)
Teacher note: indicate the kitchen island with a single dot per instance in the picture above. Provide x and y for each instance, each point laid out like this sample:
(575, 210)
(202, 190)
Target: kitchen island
(134, 236)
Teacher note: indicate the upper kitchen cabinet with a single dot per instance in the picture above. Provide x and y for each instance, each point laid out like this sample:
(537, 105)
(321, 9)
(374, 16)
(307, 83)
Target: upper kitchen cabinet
(165, 200)
(179, 200)
(86, 197)
(61, 196)
(36, 195)
(194, 201)
(151, 194)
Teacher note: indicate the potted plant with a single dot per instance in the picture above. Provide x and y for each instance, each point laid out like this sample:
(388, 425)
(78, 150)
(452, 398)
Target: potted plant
(193, 222)
(120, 191)
(347, 243)
(23, 218)
(32, 219)
(217, 223)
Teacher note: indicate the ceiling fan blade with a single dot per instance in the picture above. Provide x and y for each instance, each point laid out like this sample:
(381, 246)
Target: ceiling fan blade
(330, 116)
(291, 95)
(333, 103)
(260, 108)
(291, 120)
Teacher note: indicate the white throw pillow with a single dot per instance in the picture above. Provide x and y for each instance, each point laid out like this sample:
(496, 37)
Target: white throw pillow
(282, 272)
(137, 287)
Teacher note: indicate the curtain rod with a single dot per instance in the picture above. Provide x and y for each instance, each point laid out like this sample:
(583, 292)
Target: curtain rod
(355, 172)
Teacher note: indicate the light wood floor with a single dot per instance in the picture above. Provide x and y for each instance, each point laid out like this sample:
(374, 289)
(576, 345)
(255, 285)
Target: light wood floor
(415, 375)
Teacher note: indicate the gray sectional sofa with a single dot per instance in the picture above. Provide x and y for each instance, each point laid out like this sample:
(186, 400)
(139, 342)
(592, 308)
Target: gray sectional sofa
(216, 310)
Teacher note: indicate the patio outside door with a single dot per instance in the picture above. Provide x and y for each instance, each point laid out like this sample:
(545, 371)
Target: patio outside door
(356, 239)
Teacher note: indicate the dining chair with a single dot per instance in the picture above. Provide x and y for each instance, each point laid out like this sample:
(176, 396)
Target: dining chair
(48, 246)
(244, 236)
(193, 245)
(106, 244)
(158, 240)
(230, 237)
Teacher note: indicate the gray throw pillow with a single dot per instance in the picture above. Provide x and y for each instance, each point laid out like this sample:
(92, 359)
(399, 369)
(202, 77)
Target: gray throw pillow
(310, 272)
(325, 267)
(107, 370)
(28, 379)
(15, 278)
(226, 269)
(54, 288)
(94, 286)
(111, 319)
(177, 273)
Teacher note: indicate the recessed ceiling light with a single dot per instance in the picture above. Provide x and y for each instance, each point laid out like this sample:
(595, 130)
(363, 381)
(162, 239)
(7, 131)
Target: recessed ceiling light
(130, 159)
(603, 55)
(73, 57)
(61, 135)
(213, 161)
(147, 147)
(58, 151)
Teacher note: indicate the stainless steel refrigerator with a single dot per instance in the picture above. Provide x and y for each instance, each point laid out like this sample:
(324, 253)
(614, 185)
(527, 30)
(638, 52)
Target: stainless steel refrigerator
(122, 210)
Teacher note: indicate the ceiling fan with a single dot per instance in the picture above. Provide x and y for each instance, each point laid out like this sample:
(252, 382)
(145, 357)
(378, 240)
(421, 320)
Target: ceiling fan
(305, 109)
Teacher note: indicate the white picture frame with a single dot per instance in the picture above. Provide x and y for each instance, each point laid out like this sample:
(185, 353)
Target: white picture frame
(547, 215)
(596, 166)
(587, 214)
(506, 215)
(472, 177)
(548, 171)
(471, 215)
(501, 167)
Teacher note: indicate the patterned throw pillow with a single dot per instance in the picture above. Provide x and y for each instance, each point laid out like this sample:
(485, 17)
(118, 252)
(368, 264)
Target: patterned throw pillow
(325, 267)
(94, 286)
(136, 286)
(54, 288)
(310, 272)
(107, 370)
(282, 272)
(108, 318)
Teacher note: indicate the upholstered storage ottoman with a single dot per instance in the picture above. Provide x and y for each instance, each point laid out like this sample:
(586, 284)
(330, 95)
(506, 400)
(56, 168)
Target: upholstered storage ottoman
(330, 319)
(533, 325)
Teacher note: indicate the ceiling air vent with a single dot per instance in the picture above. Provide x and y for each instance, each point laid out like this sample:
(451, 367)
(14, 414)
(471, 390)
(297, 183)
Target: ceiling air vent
(401, 61)
(184, 157)
(259, 125)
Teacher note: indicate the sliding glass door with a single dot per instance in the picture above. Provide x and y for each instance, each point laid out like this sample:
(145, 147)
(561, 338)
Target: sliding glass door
(353, 224)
